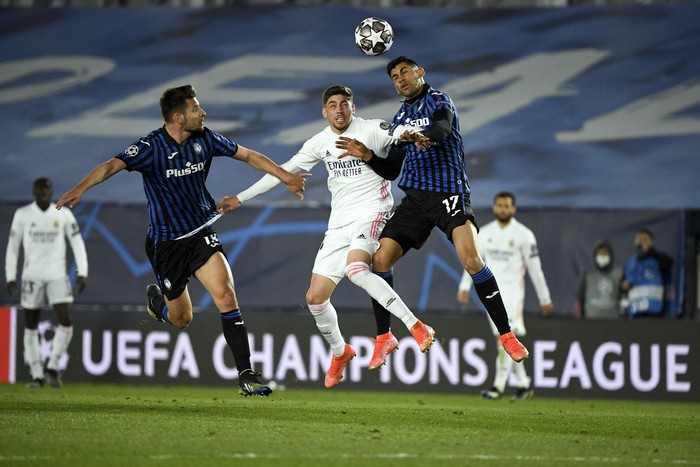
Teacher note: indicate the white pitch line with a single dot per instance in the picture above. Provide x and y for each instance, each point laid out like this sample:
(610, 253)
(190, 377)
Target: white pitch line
(405, 455)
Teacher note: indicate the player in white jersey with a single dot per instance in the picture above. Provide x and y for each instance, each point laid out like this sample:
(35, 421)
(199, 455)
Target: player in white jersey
(42, 232)
(510, 249)
(361, 202)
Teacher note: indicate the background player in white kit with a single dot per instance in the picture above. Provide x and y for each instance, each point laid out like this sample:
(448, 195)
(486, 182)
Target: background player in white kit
(42, 231)
(361, 202)
(510, 248)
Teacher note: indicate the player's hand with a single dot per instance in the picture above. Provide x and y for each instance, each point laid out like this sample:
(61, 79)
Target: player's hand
(80, 283)
(228, 204)
(463, 297)
(70, 198)
(11, 288)
(296, 184)
(421, 141)
(354, 148)
(547, 309)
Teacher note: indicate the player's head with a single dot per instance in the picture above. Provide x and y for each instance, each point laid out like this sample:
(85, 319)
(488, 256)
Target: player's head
(42, 191)
(504, 206)
(643, 240)
(180, 106)
(338, 107)
(407, 76)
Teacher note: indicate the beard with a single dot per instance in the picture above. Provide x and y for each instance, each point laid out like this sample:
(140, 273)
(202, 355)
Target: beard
(504, 218)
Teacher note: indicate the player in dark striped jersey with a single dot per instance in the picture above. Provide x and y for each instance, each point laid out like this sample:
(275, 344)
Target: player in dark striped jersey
(174, 162)
(437, 195)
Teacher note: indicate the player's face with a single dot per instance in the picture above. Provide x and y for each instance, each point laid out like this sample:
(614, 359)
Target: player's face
(339, 110)
(503, 209)
(193, 116)
(408, 81)
(43, 191)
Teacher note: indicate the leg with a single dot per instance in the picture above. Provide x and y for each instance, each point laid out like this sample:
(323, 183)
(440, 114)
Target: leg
(525, 390)
(178, 311)
(215, 275)
(383, 261)
(358, 272)
(61, 341)
(32, 347)
(318, 298)
(464, 239)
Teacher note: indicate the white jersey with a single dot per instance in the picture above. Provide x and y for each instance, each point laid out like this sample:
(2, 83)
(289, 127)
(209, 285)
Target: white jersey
(508, 252)
(356, 189)
(43, 235)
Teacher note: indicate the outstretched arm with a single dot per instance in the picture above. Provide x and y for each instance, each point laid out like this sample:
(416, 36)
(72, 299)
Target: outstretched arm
(265, 184)
(294, 181)
(98, 175)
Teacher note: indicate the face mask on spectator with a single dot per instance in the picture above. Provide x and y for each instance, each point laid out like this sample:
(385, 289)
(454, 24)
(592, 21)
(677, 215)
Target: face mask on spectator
(602, 260)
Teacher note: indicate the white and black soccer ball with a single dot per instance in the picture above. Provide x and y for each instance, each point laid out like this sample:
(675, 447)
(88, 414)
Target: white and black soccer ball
(374, 36)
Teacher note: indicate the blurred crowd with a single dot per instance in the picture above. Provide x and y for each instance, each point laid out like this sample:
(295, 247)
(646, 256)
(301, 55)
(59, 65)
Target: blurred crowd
(357, 3)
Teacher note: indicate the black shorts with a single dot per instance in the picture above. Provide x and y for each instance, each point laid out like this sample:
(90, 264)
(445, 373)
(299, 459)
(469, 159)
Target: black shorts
(175, 261)
(420, 211)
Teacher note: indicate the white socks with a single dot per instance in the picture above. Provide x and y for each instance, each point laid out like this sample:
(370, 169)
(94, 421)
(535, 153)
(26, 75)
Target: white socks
(327, 322)
(503, 366)
(61, 340)
(520, 375)
(377, 288)
(33, 353)
(32, 349)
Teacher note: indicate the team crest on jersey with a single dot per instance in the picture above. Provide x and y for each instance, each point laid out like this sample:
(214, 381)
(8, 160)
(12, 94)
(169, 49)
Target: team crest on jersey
(55, 224)
(132, 150)
(167, 284)
(197, 148)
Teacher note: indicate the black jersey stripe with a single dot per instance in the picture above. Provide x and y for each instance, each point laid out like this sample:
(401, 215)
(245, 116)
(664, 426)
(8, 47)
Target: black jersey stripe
(441, 168)
(174, 179)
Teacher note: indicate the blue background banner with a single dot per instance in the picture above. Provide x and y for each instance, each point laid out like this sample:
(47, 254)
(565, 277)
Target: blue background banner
(574, 107)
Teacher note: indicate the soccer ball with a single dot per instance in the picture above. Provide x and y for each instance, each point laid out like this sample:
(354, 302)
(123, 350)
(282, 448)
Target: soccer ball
(374, 36)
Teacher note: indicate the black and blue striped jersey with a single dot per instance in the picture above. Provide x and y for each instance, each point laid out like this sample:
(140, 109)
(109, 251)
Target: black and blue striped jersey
(174, 177)
(440, 168)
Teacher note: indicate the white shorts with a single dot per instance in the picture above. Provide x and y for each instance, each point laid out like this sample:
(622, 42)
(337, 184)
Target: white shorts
(39, 292)
(362, 234)
(514, 307)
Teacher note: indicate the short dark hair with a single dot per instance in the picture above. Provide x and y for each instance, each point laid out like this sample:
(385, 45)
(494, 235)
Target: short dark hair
(505, 194)
(402, 59)
(334, 91)
(175, 99)
(42, 181)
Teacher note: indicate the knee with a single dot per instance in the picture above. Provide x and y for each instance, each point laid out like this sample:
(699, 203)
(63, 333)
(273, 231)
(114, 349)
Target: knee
(313, 297)
(356, 271)
(180, 322)
(381, 262)
(226, 299)
(473, 264)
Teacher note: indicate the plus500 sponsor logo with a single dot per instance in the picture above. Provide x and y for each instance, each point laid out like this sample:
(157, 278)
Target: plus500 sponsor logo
(188, 170)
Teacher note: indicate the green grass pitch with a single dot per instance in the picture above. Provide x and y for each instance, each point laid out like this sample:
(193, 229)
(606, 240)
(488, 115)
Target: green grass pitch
(110, 424)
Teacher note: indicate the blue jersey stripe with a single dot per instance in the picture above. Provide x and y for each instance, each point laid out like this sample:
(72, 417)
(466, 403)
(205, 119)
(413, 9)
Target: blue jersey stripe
(174, 179)
(441, 168)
